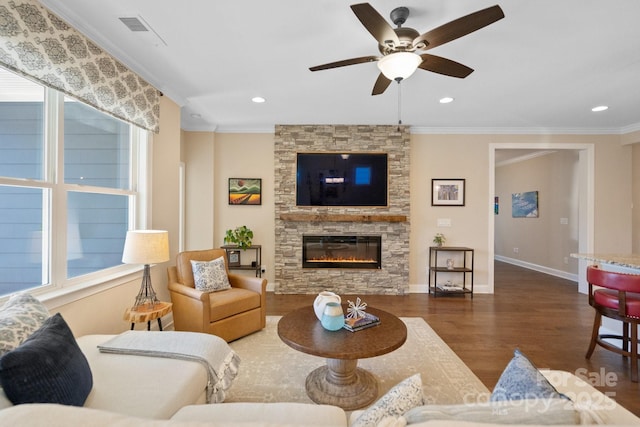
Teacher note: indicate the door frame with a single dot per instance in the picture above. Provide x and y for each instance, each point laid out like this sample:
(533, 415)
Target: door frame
(586, 200)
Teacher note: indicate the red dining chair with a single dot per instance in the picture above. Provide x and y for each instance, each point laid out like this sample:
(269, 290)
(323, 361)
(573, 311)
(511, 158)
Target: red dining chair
(615, 295)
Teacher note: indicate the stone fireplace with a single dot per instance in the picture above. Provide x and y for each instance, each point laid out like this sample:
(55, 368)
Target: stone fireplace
(391, 223)
(330, 251)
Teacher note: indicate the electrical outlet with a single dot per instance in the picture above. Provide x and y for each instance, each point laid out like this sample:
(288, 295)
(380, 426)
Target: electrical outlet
(515, 250)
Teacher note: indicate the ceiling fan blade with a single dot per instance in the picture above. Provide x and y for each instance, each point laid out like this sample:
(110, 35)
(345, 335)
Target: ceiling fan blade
(375, 24)
(440, 65)
(381, 85)
(460, 27)
(345, 62)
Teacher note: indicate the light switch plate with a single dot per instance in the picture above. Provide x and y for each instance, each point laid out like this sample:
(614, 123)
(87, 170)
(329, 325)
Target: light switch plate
(444, 222)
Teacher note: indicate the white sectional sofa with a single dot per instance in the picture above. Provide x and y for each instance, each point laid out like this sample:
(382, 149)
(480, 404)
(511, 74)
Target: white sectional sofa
(133, 390)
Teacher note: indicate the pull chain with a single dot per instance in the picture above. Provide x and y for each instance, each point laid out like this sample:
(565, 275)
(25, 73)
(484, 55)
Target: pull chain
(399, 79)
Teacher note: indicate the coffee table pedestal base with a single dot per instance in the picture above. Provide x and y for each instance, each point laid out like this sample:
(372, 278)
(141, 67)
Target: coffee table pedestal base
(341, 383)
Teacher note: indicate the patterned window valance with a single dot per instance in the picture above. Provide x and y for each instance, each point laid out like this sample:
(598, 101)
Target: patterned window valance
(38, 44)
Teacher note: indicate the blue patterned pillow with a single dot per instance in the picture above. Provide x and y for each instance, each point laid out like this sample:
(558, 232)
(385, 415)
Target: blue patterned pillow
(402, 397)
(210, 276)
(48, 367)
(20, 316)
(522, 380)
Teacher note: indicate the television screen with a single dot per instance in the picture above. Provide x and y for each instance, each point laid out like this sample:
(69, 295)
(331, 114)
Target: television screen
(341, 179)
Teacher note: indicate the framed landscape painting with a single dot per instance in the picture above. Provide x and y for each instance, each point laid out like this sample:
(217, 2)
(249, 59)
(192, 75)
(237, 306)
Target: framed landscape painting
(447, 192)
(245, 191)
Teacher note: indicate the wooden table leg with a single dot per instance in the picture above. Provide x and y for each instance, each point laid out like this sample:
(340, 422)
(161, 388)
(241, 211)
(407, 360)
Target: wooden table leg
(342, 383)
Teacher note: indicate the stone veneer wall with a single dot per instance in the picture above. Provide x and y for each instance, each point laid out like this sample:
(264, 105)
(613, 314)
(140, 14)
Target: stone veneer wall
(290, 277)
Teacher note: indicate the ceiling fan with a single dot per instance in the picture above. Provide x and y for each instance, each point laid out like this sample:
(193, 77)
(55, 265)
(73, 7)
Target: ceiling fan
(398, 46)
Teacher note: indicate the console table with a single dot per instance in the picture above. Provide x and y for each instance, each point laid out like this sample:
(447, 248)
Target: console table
(462, 270)
(255, 263)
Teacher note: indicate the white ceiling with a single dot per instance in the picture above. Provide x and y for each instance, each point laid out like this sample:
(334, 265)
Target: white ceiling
(540, 69)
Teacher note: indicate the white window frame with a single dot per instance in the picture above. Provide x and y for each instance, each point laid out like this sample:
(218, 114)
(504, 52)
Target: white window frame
(61, 290)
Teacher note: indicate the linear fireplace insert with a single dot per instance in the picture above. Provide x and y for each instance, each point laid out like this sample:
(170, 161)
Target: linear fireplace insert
(341, 252)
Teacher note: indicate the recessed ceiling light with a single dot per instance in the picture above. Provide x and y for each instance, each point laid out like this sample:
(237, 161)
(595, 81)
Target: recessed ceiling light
(446, 100)
(196, 116)
(599, 108)
(258, 99)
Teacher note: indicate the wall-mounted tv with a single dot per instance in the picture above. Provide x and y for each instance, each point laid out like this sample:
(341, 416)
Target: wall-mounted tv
(341, 179)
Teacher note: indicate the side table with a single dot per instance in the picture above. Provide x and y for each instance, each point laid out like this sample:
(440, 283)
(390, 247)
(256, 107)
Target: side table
(147, 314)
(341, 382)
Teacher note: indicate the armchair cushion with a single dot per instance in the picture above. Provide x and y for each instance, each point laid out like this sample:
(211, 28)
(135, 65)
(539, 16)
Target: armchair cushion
(210, 276)
(232, 301)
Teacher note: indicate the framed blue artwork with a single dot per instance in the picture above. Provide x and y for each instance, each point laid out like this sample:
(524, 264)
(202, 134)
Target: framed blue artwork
(524, 205)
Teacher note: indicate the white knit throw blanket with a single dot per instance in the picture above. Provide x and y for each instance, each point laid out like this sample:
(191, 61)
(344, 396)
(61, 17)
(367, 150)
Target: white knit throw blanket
(211, 351)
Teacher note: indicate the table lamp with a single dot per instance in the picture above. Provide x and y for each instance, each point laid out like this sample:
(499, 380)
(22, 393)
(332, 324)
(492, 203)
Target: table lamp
(146, 247)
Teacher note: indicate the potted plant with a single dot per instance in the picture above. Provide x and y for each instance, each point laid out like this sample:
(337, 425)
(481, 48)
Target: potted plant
(439, 239)
(240, 236)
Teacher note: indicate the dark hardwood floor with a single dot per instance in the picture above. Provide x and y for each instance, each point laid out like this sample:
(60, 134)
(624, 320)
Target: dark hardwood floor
(544, 316)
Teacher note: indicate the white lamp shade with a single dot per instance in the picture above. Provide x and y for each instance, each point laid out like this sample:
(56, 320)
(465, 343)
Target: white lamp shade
(146, 247)
(399, 65)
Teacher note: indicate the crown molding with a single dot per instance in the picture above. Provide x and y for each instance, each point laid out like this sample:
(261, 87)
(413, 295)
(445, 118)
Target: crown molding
(417, 130)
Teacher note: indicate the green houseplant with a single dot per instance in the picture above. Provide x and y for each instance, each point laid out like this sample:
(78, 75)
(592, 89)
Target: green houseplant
(439, 239)
(240, 236)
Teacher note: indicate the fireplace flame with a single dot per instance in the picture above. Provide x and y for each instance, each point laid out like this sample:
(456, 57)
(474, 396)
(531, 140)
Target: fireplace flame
(340, 259)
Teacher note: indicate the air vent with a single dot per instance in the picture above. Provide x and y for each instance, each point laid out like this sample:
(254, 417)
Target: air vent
(134, 24)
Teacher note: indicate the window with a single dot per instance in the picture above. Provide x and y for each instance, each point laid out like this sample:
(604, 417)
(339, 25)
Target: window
(68, 188)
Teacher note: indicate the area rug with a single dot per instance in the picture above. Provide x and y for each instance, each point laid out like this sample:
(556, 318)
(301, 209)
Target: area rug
(271, 371)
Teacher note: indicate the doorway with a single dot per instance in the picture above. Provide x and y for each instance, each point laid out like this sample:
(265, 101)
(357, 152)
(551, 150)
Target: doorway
(585, 198)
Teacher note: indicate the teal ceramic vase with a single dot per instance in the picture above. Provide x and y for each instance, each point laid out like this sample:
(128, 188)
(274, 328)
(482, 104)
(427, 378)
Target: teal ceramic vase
(332, 317)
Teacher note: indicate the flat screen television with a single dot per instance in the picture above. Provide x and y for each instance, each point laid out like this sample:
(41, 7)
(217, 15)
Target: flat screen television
(341, 179)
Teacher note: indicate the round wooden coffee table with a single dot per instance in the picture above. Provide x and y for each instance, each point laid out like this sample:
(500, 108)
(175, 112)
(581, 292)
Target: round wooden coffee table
(340, 382)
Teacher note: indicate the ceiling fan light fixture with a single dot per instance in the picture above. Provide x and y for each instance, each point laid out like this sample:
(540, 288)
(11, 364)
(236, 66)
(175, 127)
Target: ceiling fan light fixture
(399, 65)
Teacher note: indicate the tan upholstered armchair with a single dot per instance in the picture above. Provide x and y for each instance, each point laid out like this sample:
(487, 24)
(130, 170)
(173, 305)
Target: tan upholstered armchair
(229, 314)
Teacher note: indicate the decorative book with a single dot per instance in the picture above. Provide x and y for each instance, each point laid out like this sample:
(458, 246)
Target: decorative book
(353, 324)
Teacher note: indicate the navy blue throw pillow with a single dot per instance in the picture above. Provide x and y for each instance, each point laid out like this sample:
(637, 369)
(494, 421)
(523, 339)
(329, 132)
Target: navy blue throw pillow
(48, 367)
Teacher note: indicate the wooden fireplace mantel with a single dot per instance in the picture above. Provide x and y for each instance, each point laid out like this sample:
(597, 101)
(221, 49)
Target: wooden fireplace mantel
(305, 217)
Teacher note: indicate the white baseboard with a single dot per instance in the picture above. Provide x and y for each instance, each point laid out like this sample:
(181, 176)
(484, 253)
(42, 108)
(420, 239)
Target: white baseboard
(540, 268)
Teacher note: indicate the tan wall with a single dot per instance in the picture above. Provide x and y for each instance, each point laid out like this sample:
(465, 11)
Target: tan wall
(636, 197)
(613, 197)
(633, 139)
(246, 156)
(102, 313)
(198, 156)
(449, 157)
